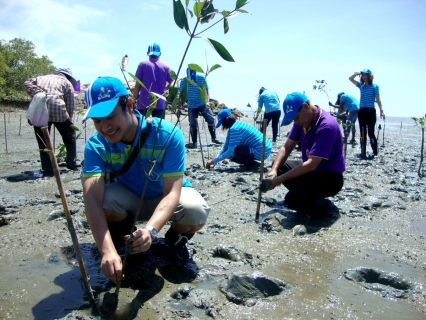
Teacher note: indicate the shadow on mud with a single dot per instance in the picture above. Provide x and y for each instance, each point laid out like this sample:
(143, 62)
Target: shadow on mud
(29, 175)
(139, 275)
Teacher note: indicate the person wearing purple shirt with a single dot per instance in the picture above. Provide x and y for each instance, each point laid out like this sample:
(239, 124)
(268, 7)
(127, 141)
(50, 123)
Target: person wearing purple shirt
(154, 74)
(320, 172)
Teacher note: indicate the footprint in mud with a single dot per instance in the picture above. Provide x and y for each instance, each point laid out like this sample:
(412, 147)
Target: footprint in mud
(390, 284)
(247, 289)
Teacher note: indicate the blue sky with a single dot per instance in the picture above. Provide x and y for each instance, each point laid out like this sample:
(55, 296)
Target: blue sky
(282, 45)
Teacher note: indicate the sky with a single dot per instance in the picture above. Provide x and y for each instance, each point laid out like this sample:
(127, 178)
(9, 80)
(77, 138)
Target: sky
(284, 46)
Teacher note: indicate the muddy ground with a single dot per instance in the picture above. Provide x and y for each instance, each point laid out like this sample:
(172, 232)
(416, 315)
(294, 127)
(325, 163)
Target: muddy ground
(366, 261)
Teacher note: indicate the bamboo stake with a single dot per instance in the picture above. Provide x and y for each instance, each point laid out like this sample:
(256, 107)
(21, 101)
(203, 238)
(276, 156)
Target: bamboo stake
(20, 122)
(383, 141)
(5, 131)
(259, 196)
(70, 223)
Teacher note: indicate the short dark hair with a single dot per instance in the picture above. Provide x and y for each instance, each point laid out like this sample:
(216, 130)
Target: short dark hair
(229, 121)
(123, 102)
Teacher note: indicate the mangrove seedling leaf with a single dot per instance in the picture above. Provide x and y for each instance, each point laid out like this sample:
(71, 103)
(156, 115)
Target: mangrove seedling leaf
(240, 3)
(173, 74)
(198, 6)
(195, 67)
(225, 26)
(207, 12)
(74, 128)
(220, 49)
(216, 66)
(179, 15)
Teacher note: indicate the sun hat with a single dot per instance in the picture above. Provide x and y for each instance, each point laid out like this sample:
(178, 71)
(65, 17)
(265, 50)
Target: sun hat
(154, 50)
(366, 71)
(67, 72)
(222, 115)
(340, 93)
(102, 96)
(291, 106)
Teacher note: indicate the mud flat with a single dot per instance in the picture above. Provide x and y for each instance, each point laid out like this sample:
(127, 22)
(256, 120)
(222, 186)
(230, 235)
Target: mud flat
(366, 261)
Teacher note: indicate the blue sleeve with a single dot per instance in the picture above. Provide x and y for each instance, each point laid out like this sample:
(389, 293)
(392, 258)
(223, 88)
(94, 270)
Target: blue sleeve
(376, 89)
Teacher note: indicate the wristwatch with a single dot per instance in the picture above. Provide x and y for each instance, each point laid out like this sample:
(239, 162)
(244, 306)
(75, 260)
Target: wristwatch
(152, 231)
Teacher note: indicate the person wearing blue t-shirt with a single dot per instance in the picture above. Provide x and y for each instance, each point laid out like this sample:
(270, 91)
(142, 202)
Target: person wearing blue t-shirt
(347, 107)
(197, 105)
(367, 113)
(270, 100)
(156, 174)
(243, 144)
(320, 172)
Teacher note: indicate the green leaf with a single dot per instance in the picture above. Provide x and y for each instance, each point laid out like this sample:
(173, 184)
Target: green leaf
(137, 80)
(220, 49)
(240, 3)
(203, 93)
(175, 103)
(179, 15)
(74, 127)
(184, 93)
(216, 66)
(208, 12)
(242, 11)
(195, 67)
(198, 6)
(225, 26)
(173, 74)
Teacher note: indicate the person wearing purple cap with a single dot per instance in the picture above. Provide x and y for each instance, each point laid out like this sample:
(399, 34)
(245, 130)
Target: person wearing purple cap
(320, 172)
(370, 95)
(154, 74)
(156, 172)
(59, 89)
(243, 144)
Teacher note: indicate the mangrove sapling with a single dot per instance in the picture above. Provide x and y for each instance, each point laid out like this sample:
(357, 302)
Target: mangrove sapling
(322, 87)
(421, 121)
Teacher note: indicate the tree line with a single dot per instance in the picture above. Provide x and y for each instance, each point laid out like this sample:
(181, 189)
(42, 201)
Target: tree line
(18, 62)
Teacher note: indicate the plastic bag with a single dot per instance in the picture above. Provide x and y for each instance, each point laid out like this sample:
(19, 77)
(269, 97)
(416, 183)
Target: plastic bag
(37, 111)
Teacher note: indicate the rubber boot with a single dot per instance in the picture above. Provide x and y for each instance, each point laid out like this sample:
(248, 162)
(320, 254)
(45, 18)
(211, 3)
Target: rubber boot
(177, 244)
(119, 229)
(194, 132)
(363, 141)
(212, 131)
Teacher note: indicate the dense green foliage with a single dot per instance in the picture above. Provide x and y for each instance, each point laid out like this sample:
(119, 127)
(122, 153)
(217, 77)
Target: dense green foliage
(18, 62)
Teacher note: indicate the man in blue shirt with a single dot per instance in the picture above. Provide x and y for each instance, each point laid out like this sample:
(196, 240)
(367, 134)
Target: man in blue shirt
(159, 167)
(270, 100)
(197, 105)
(348, 108)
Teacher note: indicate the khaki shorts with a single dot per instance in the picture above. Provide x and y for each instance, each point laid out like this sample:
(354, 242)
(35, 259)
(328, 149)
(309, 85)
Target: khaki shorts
(191, 210)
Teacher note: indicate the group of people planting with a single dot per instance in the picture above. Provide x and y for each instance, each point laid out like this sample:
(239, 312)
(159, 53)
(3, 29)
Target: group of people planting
(144, 157)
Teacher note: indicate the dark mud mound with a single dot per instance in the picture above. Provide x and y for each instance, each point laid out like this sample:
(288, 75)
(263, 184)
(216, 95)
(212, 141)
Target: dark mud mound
(390, 284)
(247, 289)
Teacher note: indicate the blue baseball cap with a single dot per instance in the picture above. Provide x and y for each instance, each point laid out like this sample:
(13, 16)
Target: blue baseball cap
(154, 50)
(366, 71)
(340, 94)
(291, 106)
(222, 115)
(102, 97)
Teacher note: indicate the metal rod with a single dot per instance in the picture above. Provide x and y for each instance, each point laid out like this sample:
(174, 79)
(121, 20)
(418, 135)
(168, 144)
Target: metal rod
(70, 223)
(259, 197)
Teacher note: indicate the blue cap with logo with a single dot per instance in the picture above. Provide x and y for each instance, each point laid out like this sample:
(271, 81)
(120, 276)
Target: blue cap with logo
(222, 115)
(102, 96)
(291, 106)
(366, 71)
(154, 50)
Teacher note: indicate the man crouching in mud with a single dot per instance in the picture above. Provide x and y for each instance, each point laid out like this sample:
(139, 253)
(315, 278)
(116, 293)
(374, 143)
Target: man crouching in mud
(320, 172)
(111, 207)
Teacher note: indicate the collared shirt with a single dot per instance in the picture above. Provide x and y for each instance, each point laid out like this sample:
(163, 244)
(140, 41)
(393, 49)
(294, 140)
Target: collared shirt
(349, 102)
(165, 143)
(194, 98)
(323, 140)
(59, 95)
(154, 74)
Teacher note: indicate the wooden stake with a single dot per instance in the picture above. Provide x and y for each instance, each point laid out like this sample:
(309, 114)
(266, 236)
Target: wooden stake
(5, 131)
(70, 223)
(20, 122)
(201, 143)
(259, 196)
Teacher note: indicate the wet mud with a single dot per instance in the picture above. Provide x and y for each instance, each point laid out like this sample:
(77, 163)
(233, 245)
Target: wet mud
(365, 260)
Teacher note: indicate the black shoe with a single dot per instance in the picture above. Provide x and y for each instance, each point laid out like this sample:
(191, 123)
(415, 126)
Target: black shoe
(180, 251)
(217, 141)
(192, 145)
(46, 173)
